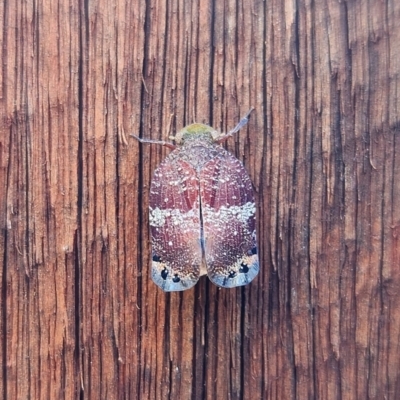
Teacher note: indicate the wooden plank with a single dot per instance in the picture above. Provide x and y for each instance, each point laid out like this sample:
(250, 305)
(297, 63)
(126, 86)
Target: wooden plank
(39, 145)
(79, 314)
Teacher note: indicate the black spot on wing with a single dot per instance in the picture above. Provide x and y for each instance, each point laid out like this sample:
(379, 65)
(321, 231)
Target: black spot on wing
(164, 273)
(232, 274)
(244, 269)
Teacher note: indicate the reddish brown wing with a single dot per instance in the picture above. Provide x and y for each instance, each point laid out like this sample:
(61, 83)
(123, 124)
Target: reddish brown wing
(175, 225)
(228, 215)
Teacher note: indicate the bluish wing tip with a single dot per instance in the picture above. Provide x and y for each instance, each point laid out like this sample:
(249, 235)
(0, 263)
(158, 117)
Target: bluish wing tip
(240, 279)
(167, 284)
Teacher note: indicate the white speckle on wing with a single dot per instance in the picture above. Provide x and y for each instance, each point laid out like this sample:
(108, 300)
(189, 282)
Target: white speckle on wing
(158, 217)
(242, 213)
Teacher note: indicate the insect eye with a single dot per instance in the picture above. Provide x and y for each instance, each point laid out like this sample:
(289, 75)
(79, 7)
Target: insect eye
(156, 258)
(164, 273)
(254, 250)
(176, 279)
(243, 268)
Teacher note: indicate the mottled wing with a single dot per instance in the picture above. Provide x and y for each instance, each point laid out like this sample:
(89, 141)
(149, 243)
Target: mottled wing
(175, 225)
(228, 215)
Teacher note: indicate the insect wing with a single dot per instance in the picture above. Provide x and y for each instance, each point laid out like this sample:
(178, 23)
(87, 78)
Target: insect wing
(175, 225)
(228, 215)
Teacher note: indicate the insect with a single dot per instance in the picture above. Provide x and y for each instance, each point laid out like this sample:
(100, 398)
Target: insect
(202, 213)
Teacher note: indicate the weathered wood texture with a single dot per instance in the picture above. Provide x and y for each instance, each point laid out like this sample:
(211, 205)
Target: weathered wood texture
(79, 315)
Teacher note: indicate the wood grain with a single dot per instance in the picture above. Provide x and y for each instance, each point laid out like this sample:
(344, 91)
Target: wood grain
(79, 315)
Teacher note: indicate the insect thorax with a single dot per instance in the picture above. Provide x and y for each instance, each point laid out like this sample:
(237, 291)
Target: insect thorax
(197, 151)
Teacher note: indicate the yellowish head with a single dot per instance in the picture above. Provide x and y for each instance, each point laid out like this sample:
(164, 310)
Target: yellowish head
(195, 131)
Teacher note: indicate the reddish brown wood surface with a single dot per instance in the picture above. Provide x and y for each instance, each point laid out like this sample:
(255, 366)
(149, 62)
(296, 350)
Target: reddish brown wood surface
(79, 315)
